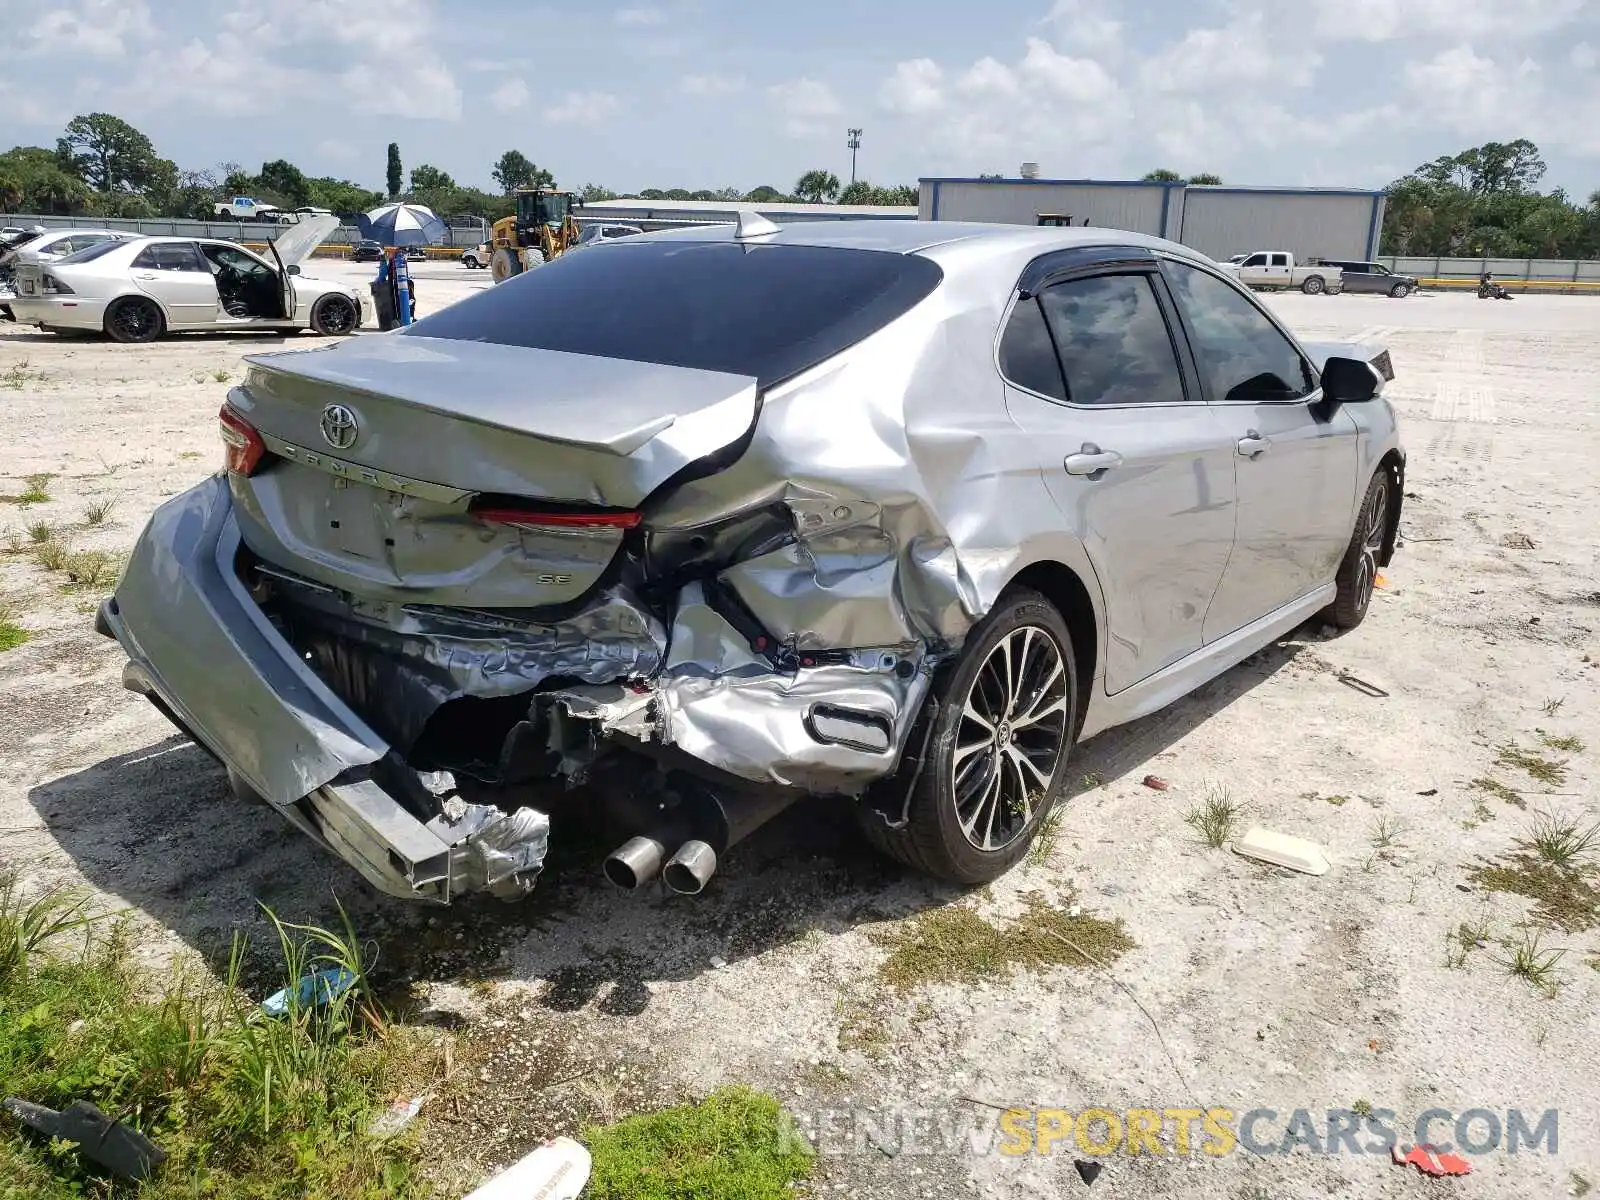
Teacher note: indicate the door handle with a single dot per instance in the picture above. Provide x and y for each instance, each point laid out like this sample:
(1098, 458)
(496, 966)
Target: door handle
(1253, 445)
(1091, 461)
(144, 274)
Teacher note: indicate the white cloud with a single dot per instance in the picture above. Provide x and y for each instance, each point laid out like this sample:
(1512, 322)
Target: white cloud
(338, 151)
(1240, 55)
(711, 85)
(24, 107)
(250, 65)
(510, 96)
(1086, 27)
(808, 106)
(640, 16)
(1584, 57)
(101, 28)
(988, 77)
(583, 108)
(916, 87)
(1390, 20)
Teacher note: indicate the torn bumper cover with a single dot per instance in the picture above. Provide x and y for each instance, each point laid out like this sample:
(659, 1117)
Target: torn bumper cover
(224, 669)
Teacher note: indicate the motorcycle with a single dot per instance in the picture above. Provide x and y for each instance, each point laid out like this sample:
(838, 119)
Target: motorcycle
(1493, 291)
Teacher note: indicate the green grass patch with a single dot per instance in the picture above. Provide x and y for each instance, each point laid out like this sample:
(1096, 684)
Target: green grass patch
(1566, 743)
(1568, 899)
(246, 1106)
(12, 634)
(1215, 819)
(1499, 790)
(734, 1145)
(956, 945)
(1545, 770)
(35, 489)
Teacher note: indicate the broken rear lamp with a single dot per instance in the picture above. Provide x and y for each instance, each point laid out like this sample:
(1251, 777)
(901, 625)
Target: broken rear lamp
(556, 518)
(242, 447)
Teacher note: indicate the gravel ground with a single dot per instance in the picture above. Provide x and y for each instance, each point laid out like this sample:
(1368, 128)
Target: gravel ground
(1269, 989)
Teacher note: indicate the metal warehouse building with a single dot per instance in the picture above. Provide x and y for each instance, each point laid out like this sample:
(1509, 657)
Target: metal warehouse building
(664, 214)
(1217, 221)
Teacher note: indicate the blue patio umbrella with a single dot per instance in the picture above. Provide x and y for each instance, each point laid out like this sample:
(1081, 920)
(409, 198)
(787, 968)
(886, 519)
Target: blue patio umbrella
(402, 225)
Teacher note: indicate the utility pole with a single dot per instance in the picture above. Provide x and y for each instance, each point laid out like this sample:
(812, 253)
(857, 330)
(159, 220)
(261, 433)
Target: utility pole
(854, 142)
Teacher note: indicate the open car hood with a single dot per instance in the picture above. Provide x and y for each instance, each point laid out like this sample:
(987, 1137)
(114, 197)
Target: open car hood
(296, 242)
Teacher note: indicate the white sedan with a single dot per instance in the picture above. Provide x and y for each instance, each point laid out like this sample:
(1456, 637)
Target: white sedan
(139, 289)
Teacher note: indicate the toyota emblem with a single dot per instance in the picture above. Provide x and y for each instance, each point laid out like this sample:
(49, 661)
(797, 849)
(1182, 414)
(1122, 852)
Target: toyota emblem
(339, 427)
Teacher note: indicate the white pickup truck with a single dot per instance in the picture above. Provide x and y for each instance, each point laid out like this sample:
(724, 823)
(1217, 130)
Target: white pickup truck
(244, 208)
(1277, 269)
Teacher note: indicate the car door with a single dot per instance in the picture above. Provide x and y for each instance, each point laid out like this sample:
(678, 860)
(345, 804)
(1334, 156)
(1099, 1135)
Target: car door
(1295, 458)
(1253, 271)
(1280, 273)
(1140, 467)
(176, 275)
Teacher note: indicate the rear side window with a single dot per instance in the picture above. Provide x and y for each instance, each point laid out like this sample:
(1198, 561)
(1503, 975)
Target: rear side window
(764, 311)
(1027, 355)
(90, 253)
(1113, 341)
(1242, 354)
(169, 256)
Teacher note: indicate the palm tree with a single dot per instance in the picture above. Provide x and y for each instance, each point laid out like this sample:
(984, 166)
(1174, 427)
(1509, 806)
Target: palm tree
(817, 186)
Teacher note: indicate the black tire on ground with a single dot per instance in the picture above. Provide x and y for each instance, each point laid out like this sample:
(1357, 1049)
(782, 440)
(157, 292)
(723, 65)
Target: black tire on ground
(335, 316)
(1314, 285)
(1017, 667)
(1400, 291)
(1358, 571)
(504, 263)
(135, 319)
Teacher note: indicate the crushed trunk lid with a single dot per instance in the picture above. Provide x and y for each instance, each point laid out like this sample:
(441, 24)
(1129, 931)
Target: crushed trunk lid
(400, 465)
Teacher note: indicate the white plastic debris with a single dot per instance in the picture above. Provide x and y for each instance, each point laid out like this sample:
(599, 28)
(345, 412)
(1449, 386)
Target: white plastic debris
(557, 1170)
(1280, 849)
(394, 1118)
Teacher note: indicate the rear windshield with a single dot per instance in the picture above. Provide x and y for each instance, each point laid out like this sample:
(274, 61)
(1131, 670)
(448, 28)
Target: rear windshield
(89, 253)
(763, 311)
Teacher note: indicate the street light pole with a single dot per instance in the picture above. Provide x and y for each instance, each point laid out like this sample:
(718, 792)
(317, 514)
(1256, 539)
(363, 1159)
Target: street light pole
(854, 142)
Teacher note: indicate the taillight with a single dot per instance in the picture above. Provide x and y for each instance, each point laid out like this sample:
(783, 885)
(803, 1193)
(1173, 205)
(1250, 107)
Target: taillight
(53, 286)
(555, 518)
(242, 447)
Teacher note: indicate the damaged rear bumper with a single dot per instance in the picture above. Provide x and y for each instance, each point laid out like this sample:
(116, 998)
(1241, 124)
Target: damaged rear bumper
(211, 658)
(202, 651)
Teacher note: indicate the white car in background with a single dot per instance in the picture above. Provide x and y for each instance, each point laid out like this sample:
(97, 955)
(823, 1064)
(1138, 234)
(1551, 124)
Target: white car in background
(137, 289)
(43, 247)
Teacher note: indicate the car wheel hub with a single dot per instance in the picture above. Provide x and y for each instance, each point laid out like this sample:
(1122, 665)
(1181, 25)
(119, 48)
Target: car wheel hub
(1010, 738)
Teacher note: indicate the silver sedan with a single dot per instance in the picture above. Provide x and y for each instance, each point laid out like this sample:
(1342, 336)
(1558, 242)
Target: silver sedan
(137, 289)
(719, 518)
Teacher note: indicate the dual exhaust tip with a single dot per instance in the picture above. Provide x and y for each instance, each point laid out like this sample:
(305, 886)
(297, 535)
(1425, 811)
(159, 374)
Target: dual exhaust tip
(640, 859)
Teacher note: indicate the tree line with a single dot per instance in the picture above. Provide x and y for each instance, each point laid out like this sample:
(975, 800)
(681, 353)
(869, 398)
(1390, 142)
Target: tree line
(1481, 202)
(102, 166)
(1485, 203)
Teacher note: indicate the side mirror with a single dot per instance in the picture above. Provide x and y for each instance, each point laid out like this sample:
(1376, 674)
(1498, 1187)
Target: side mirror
(1348, 381)
(293, 268)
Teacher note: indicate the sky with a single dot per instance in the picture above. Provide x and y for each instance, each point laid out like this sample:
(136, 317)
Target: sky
(707, 93)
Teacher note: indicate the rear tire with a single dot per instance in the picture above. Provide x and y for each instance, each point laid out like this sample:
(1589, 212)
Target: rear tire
(1400, 291)
(1314, 286)
(503, 264)
(1358, 572)
(1006, 717)
(335, 316)
(135, 319)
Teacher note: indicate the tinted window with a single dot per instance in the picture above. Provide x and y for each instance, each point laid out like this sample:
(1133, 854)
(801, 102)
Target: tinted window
(763, 311)
(1242, 354)
(169, 256)
(89, 254)
(1113, 341)
(1256, 260)
(1027, 355)
(1280, 260)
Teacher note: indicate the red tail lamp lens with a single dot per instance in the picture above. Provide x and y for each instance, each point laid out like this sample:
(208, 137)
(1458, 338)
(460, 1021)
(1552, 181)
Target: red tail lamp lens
(242, 447)
(558, 519)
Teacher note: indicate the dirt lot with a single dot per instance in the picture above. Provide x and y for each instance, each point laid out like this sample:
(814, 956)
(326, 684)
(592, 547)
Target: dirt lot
(1270, 989)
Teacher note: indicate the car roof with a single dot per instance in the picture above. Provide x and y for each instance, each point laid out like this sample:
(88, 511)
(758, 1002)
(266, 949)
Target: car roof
(912, 237)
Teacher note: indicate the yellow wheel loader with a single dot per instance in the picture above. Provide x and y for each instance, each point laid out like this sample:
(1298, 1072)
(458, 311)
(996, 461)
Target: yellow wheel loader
(542, 229)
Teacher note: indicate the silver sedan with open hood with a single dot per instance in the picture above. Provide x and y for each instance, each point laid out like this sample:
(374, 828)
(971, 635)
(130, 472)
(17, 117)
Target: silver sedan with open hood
(719, 518)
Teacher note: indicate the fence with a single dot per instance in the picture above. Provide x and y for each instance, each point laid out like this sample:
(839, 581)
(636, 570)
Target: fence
(1575, 275)
(258, 232)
